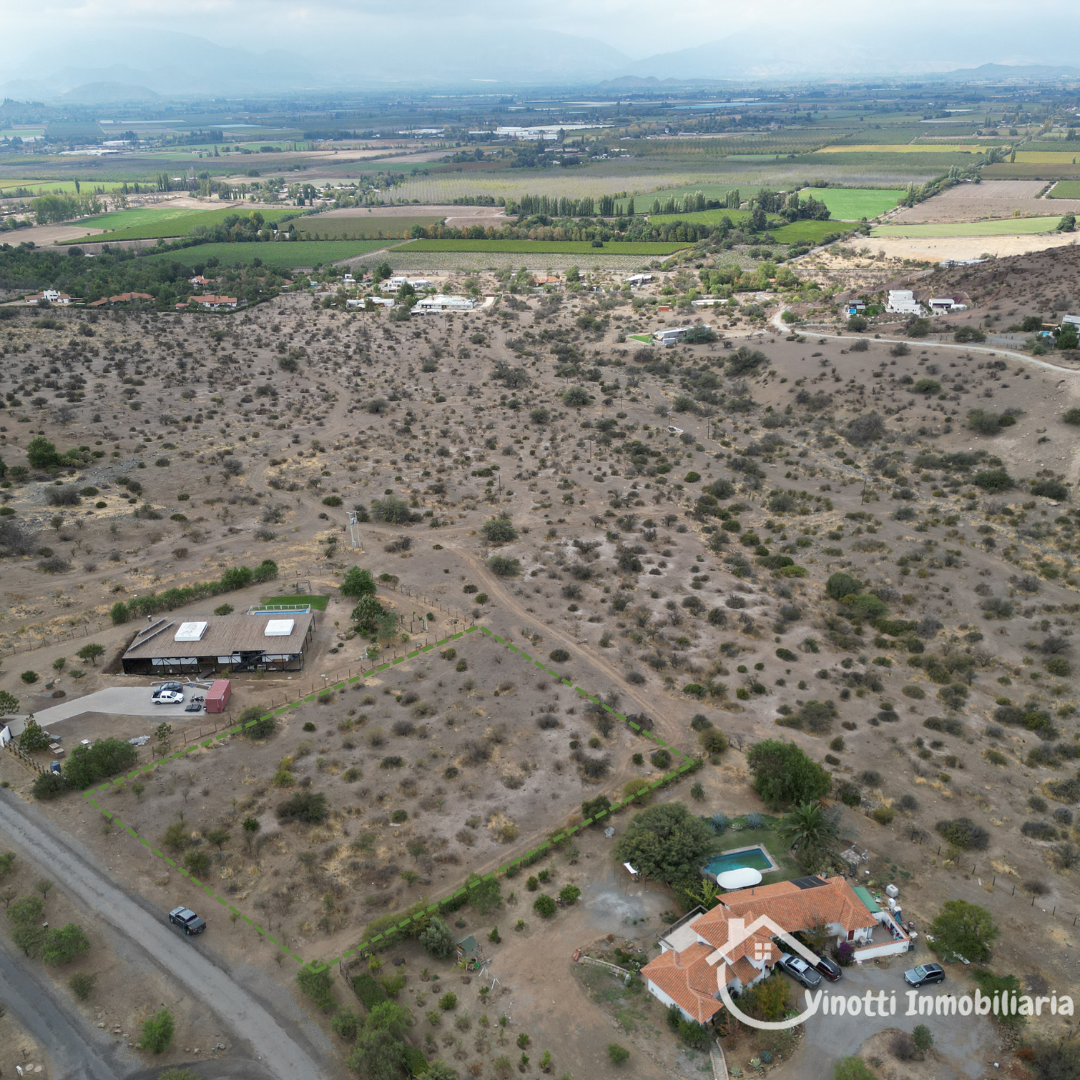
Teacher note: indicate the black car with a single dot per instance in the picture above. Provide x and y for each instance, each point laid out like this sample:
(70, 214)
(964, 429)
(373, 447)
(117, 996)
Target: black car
(829, 968)
(187, 918)
(173, 686)
(925, 975)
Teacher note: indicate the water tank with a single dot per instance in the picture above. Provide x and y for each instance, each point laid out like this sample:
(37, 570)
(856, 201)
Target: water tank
(891, 890)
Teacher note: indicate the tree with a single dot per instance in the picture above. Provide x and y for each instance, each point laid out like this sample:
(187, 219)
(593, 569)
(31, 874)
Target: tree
(366, 615)
(810, 831)
(499, 530)
(576, 397)
(9, 703)
(157, 1032)
(545, 906)
(358, 583)
(32, 737)
(91, 652)
(379, 1055)
(922, 1037)
(665, 843)
(64, 945)
(256, 724)
(29, 937)
(7, 861)
(438, 939)
(569, 894)
(41, 454)
(964, 928)
(784, 775)
(840, 585)
(591, 809)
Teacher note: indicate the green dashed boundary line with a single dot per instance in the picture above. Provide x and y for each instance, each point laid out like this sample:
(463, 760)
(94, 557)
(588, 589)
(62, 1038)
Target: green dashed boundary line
(684, 763)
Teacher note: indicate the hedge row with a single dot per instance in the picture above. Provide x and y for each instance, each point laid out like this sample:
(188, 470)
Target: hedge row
(238, 577)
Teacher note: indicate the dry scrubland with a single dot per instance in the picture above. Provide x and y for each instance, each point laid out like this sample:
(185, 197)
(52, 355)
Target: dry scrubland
(238, 429)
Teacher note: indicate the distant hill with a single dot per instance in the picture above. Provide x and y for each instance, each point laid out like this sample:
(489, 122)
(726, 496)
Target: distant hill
(105, 93)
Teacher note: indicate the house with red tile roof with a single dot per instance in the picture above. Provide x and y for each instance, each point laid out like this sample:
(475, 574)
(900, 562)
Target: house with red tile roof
(737, 933)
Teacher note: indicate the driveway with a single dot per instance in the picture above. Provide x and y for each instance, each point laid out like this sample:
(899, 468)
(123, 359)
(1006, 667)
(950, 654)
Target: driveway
(278, 1034)
(120, 700)
(960, 1040)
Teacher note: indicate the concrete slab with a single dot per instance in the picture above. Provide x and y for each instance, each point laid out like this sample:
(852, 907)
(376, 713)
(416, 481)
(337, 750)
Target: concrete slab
(120, 700)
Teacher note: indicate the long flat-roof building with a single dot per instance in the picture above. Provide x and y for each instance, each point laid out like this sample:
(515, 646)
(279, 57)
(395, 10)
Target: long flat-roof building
(202, 645)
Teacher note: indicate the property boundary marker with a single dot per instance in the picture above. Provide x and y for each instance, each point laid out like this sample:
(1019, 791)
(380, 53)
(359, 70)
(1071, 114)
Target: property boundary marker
(685, 763)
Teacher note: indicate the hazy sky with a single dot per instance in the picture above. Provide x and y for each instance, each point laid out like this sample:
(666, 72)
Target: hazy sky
(634, 27)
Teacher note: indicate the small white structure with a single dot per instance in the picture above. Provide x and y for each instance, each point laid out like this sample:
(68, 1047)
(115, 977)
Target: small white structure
(1071, 320)
(637, 280)
(51, 296)
(942, 305)
(709, 301)
(742, 878)
(674, 333)
(378, 301)
(903, 302)
(394, 283)
(429, 304)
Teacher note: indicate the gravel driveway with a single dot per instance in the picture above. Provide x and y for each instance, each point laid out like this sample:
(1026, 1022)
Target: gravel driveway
(961, 1040)
(286, 1043)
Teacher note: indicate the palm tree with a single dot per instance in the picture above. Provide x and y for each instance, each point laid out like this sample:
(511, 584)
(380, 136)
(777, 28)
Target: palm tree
(810, 831)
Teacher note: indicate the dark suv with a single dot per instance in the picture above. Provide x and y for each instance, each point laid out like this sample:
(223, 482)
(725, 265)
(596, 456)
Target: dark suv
(800, 971)
(187, 918)
(925, 975)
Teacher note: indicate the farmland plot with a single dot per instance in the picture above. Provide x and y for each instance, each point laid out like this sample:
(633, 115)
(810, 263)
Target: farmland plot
(989, 200)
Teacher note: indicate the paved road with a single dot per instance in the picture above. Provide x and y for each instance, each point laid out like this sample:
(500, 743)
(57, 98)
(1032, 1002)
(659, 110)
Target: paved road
(287, 1045)
(75, 1048)
(959, 1041)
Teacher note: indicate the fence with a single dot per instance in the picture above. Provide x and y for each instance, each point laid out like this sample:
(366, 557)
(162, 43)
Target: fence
(25, 758)
(614, 968)
(74, 634)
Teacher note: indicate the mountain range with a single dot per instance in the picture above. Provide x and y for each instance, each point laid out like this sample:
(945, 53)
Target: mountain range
(137, 65)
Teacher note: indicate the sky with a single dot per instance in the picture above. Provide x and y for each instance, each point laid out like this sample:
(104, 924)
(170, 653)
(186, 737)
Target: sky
(364, 40)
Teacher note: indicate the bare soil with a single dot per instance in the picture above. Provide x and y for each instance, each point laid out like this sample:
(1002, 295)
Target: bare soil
(362, 416)
(987, 200)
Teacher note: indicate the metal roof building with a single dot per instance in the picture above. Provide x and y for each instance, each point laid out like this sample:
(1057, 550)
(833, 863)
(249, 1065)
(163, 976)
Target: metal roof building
(260, 641)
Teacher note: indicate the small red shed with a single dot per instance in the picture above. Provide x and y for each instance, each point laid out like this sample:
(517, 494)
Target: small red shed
(218, 695)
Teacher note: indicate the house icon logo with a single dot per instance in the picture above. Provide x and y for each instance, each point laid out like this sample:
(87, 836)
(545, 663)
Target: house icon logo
(763, 950)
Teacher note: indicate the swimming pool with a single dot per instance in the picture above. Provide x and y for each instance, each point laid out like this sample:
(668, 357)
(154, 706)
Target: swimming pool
(756, 858)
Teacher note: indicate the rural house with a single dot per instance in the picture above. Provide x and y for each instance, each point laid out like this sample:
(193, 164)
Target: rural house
(683, 975)
(258, 641)
(903, 302)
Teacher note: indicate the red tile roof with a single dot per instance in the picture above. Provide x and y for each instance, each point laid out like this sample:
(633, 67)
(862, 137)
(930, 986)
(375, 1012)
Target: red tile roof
(688, 979)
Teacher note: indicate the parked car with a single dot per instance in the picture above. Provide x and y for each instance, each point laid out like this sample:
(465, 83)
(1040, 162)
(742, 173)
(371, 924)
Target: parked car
(168, 697)
(829, 968)
(800, 971)
(187, 918)
(925, 975)
(169, 686)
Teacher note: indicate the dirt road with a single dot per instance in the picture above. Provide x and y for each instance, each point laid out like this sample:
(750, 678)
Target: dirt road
(76, 1049)
(287, 1046)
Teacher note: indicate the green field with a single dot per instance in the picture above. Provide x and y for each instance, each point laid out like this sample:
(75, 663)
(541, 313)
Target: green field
(1066, 189)
(811, 232)
(702, 217)
(152, 224)
(283, 255)
(544, 247)
(851, 204)
(361, 227)
(1005, 227)
(57, 186)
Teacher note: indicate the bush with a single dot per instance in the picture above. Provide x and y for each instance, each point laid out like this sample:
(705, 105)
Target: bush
(618, 1055)
(255, 724)
(306, 806)
(840, 585)
(503, 566)
(545, 906)
(963, 833)
(29, 677)
(448, 1001)
(569, 894)
(65, 944)
(89, 764)
(784, 775)
(438, 939)
(317, 986)
(902, 1046)
(965, 929)
(82, 984)
(157, 1032)
(852, 1068)
(499, 530)
(993, 480)
(48, 786)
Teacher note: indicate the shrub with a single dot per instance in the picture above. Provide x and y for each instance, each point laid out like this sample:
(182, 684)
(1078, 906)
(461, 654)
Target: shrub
(438, 939)
(157, 1032)
(545, 906)
(618, 1055)
(306, 806)
(883, 815)
(448, 1001)
(255, 724)
(499, 530)
(317, 986)
(840, 585)
(82, 984)
(963, 833)
(89, 764)
(503, 566)
(569, 894)
(29, 677)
